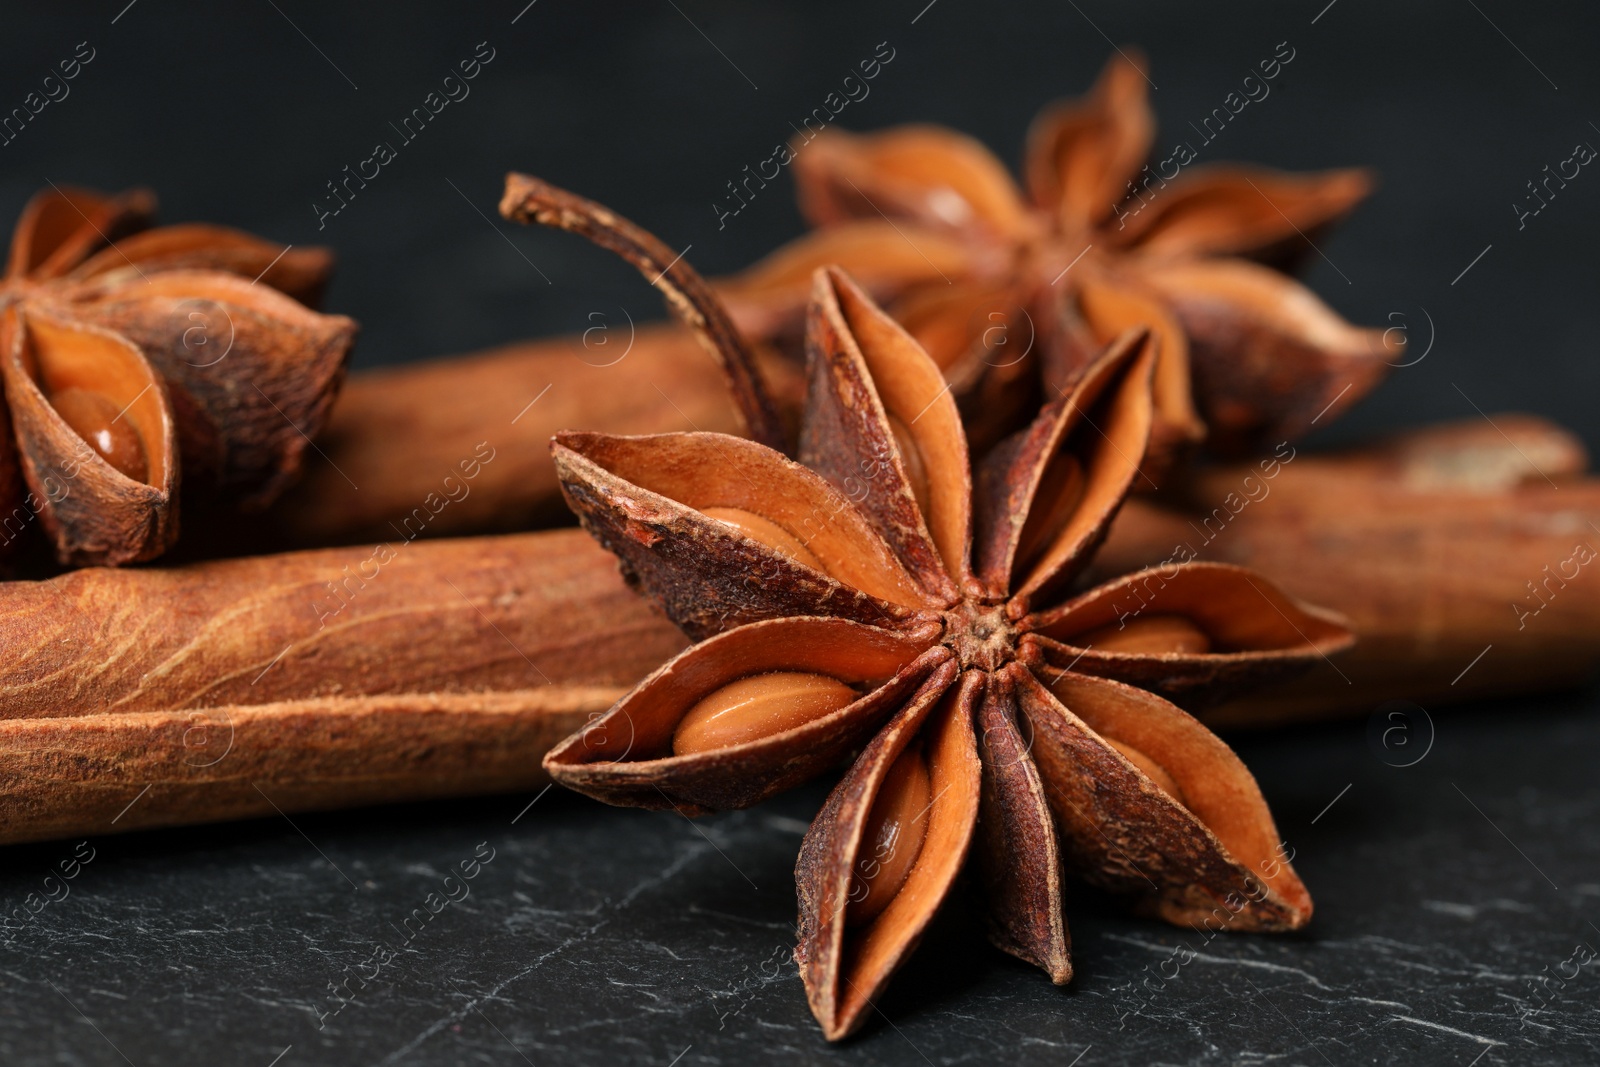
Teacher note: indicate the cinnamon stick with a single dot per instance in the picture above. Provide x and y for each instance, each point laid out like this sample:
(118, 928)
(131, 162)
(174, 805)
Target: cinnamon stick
(1462, 555)
(397, 433)
(388, 672)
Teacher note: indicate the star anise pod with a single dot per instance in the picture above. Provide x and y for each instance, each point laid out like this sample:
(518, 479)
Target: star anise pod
(136, 360)
(880, 598)
(929, 220)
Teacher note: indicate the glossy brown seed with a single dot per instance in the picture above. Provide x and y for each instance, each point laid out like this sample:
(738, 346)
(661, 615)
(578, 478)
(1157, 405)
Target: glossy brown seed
(767, 532)
(95, 418)
(1151, 635)
(756, 707)
(916, 470)
(1060, 491)
(892, 838)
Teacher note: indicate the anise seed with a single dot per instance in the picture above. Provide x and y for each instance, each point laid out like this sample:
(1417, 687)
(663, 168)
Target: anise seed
(916, 470)
(767, 532)
(892, 838)
(95, 418)
(756, 707)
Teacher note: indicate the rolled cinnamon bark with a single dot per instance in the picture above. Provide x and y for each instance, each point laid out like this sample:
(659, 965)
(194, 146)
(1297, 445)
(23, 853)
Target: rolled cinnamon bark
(396, 434)
(1463, 556)
(387, 672)
(406, 670)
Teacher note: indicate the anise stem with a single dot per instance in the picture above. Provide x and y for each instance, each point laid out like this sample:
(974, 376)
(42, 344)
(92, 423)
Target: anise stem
(529, 199)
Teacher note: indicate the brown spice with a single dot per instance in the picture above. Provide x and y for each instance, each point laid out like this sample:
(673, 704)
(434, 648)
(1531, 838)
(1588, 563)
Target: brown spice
(893, 836)
(1009, 291)
(953, 645)
(757, 706)
(221, 685)
(132, 365)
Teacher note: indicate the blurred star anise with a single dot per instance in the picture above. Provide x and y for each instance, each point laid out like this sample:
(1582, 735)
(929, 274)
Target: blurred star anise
(929, 220)
(878, 598)
(136, 360)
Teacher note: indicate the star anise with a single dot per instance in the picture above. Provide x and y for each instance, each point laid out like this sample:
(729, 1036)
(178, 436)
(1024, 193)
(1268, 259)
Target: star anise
(929, 220)
(133, 360)
(879, 597)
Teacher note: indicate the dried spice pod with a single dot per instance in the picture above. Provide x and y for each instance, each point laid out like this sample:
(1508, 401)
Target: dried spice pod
(301, 273)
(94, 435)
(225, 690)
(1459, 554)
(642, 499)
(845, 965)
(137, 366)
(1190, 632)
(1036, 285)
(625, 757)
(1181, 837)
(937, 630)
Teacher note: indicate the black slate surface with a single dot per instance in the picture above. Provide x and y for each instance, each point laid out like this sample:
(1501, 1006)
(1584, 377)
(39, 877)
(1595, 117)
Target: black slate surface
(1457, 895)
(1445, 889)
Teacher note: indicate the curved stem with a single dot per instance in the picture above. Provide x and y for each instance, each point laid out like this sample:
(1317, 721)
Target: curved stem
(529, 199)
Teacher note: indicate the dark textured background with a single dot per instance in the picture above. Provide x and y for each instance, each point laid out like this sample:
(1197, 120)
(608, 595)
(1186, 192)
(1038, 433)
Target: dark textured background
(598, 936)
